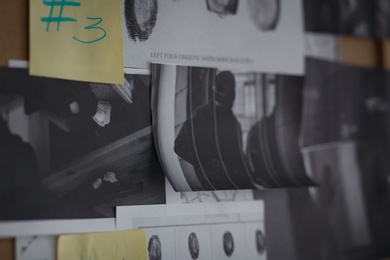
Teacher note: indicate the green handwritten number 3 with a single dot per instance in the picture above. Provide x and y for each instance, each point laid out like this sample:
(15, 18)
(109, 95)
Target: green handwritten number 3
(93, 26)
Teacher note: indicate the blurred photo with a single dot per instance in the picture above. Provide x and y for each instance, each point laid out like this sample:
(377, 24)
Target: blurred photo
(349, 17)
(80, 143)
(231, 129)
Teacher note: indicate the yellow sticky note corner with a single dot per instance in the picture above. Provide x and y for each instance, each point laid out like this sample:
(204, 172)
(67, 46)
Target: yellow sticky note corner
(77, 39)
(119, 245)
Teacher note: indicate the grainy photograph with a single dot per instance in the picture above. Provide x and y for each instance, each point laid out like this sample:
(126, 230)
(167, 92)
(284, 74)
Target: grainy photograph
(352, 106)
(75, 149)
(255, 34)
(349, 17)
(220, 129)
(345, 143)
(382, 16)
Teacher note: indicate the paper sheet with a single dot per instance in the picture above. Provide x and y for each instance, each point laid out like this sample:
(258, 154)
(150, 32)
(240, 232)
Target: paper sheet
(130, 217)
(55, 227)
(196, 231)
(78, 39)
(121, 245)
(322, 46)
(35, 248)
(254, 36)
(174, 197)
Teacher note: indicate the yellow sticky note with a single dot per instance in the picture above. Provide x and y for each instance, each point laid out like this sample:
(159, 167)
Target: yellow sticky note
(77, 39)
(119, 245)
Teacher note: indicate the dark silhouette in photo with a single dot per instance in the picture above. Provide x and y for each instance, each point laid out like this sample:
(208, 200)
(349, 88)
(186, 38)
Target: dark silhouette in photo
(211, 140)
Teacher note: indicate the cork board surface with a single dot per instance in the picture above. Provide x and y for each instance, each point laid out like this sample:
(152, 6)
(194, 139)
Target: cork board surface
(7, 249)
(359, 51)
(386, 54)
(13, 30)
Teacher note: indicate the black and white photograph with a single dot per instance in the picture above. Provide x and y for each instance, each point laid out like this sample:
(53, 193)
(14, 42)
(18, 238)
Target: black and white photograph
(218, 129)
(249, 34)
(75, 150)
(382, 16)
(351, 106)
(345, 146)
(185, 197)
(347, 17)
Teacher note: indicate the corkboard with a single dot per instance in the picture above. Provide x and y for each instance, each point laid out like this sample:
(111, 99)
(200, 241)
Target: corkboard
(13, 30)
(359, 51)
(386, 54)
(7, 251)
